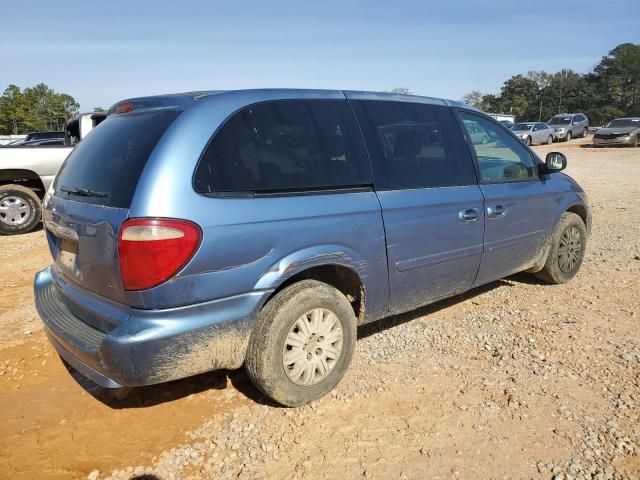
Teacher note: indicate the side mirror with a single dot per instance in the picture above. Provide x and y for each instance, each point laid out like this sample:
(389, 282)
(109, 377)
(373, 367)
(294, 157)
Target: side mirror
(555, 162)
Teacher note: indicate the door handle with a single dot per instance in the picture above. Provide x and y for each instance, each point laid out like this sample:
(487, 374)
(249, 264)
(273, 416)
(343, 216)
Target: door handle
(496, 212)
(469, 215)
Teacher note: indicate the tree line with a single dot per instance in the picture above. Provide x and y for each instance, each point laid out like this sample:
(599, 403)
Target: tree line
(37, 108)
(611, 89)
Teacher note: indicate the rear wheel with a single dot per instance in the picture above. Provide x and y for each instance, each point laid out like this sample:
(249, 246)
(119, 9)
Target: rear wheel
(302, 343)
(19, 210)
(567, 249)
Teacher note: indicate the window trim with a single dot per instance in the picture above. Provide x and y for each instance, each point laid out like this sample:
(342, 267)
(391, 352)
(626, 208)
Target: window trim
(284, 192)
(457, 111)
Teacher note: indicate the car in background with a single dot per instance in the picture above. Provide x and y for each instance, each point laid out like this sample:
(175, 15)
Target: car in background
(34, 136)
(619, 131)
(27, 170)
(477, 134)
(507, 123)
(570, 125)
(44, 142)
(533, 132)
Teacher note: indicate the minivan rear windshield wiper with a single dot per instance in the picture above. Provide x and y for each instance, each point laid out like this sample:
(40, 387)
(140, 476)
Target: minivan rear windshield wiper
(84, 192)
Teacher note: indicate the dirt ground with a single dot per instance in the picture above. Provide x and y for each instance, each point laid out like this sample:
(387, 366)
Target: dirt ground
(515, 379)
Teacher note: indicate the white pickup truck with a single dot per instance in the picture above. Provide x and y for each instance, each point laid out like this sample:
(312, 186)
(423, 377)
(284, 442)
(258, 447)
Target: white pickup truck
(27, 172)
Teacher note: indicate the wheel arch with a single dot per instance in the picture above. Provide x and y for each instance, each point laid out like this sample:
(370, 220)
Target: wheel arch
(333, 267)
(23, 177)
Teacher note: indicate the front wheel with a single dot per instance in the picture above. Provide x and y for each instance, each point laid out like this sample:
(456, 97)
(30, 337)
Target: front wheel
(302, 343)
(566, 252)
(528, 141)
(584, 132)
(568, 137)
(550, 140)
(19, 210)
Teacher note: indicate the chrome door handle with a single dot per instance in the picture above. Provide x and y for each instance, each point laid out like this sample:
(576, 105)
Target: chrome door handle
(496, 212)
(469, 215)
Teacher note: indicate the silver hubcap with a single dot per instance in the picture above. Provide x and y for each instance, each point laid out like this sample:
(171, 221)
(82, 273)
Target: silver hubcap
(569, 250)
(312, 347)
(14, 210)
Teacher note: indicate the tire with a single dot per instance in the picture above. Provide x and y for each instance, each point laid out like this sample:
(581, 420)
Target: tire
(585, 131)
(550, 140)
(528, 141)
(20, 210)
(484, 140)
(557, 269)
(276, 326)
(635, 142)
(568, 137)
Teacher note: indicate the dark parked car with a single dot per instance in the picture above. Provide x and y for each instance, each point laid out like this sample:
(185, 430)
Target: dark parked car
(621, 131)
(33, 136)
(44, 142)
(203, 231)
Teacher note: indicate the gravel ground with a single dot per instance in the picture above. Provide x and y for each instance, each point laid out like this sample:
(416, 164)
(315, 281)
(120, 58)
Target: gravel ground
(516, 379)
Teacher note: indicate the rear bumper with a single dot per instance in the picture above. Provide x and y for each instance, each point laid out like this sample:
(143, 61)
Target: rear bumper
(152, 346)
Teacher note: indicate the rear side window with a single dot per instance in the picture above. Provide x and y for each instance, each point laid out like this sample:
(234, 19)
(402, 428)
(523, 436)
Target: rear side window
(414, 145)
(288, 145)
(109, 161)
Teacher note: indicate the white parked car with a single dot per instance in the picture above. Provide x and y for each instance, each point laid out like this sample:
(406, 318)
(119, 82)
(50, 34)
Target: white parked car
(26, 171)
(534, 132)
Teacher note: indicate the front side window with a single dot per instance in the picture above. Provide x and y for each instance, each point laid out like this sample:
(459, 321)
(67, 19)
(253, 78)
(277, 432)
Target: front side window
(287, 145)
(413, 145)
(502, 158)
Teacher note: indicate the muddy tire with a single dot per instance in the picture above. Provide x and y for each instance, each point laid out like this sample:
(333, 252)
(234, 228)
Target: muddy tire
(302, 343)
(20, 210)
(566, 252)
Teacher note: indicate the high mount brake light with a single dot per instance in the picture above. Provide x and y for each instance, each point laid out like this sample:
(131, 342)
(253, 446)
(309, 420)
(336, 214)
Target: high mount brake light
(123, 107)
(152, 250)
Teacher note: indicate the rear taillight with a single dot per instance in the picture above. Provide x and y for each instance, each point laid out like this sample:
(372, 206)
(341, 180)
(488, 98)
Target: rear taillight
(152, 250)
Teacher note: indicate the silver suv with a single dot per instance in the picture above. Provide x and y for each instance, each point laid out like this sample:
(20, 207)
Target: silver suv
(569, 125)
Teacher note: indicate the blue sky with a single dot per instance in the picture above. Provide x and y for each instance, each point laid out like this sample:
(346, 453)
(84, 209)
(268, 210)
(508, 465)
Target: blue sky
(101, 52)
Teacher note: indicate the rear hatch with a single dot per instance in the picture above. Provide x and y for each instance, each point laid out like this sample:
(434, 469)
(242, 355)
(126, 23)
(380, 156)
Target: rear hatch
(92, 195)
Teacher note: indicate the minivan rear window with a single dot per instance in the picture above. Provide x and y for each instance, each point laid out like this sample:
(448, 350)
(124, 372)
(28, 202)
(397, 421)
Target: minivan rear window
(285, 146)
(105, 167)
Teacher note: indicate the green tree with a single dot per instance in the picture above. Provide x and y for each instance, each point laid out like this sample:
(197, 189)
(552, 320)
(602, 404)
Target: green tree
(618, 76)
(473, 98)
(520, 94)
(13, 116)
(35, 108)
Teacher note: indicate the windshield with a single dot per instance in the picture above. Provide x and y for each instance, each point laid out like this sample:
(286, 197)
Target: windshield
(560, 121)
(624, 122)
(105, 167)
(522, 126)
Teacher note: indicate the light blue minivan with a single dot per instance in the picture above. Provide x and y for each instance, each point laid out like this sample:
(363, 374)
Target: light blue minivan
(208, 230)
